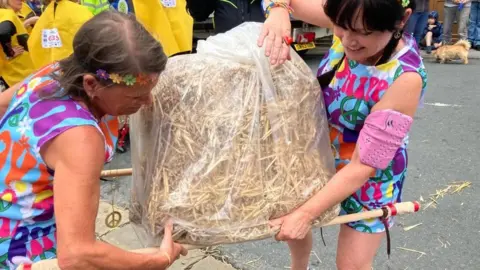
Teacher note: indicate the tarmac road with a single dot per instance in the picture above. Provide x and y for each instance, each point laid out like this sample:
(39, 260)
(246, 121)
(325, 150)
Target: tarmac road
(444, 148)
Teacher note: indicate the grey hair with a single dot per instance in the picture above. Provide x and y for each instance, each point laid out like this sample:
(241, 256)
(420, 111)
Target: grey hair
(110, 41)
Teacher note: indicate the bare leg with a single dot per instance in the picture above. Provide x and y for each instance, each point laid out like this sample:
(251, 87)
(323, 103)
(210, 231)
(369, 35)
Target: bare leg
(428, 39)
(300, 252)
(356, 250)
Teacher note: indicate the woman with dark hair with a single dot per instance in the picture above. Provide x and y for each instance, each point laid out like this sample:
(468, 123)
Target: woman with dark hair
(373, 80)
(54, 147)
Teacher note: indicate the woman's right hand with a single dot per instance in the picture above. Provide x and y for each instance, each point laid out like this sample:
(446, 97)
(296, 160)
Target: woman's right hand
(170, 248)
(276, 27)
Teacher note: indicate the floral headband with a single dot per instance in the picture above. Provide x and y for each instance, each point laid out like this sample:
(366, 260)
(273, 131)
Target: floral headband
(404, 3)
(128, 79)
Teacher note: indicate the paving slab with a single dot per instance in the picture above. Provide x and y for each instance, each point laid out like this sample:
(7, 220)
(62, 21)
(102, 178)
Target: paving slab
(129, 236)
(104, 209)
(125, 237)
(187, 262)
(211, 263)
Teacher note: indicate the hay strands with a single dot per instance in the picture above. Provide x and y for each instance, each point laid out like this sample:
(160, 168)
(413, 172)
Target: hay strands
(399, 208)
(396, 209)
(453, 188)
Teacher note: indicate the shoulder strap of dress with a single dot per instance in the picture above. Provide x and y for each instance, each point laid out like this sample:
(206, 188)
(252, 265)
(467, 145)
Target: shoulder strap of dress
(325, 79)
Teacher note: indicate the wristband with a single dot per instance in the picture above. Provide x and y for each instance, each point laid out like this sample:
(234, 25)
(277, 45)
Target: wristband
(168, 257)
(280, 4)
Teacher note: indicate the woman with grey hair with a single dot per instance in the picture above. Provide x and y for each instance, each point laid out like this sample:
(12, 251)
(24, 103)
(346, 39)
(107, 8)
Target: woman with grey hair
(55, 148)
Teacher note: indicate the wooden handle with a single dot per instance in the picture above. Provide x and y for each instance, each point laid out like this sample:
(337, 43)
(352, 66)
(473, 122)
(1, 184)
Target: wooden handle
(406, 208)
(393, 210)
(117, 172)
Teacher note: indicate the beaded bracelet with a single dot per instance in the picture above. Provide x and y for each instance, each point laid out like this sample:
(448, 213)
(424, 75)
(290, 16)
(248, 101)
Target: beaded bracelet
(274, 4)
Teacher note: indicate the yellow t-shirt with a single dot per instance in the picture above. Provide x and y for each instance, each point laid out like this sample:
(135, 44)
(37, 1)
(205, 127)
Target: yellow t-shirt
(52, 37)
(18, 68)
(171, 26)
(24, 13)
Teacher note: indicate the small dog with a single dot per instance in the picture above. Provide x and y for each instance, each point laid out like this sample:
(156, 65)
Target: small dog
(452, 52)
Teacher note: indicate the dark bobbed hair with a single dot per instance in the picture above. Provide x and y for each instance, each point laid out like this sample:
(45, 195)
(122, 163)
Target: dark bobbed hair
(377, 15)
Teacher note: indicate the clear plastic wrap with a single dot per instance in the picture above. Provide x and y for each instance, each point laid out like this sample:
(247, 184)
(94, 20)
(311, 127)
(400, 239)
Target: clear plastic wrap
(229, 143)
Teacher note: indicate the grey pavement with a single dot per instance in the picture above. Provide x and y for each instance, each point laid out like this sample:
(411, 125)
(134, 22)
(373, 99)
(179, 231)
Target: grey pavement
(443, 149)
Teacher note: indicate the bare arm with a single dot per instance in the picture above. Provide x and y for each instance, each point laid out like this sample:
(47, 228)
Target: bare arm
(77, 191)
(403, 96)
(278, 26)
(6, 98)
(310, 11)
(30, 21)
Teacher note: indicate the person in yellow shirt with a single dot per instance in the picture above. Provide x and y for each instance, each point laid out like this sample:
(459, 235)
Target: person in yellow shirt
(15, 61)
(52, 37)
(169, 22)
(28, 15)
(96, 6)
(23, 11)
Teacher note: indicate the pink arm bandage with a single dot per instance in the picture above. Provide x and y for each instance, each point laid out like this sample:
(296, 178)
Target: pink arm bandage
(381, 136)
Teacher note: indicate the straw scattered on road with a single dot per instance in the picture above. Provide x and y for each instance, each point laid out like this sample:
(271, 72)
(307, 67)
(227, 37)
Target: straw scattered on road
(453, 188)
(414, 251)
(412, 227)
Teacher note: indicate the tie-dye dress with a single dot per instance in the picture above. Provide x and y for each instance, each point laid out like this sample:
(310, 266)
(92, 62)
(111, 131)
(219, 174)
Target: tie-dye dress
(27, 222)
(349, 98)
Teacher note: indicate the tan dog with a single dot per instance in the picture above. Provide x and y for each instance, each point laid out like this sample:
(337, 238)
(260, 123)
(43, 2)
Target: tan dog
(452, 52)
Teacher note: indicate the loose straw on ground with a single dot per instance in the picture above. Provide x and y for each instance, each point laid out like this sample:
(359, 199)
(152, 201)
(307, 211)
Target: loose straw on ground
(453, 188)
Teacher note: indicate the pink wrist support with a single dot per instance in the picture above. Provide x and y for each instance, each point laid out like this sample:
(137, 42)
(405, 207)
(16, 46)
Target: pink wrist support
(381, 136)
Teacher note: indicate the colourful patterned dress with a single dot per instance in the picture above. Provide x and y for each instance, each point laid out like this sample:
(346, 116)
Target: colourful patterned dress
(350, 96)
(27, 222)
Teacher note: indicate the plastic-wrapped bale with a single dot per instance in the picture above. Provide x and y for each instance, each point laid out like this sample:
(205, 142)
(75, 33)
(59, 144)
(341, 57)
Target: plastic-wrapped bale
(230, 143)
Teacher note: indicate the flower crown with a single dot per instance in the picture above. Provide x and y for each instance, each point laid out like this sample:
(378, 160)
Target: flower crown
(404, 3)
(128, 79)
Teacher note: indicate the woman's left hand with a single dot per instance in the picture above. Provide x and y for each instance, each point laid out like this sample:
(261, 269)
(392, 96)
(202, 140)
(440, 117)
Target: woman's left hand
(31, 21)
(294, 226)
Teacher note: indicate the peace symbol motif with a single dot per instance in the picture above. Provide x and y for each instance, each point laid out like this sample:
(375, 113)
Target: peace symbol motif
(385, 176)
(363, 228)
(18, 114)
(352, 64)
(113, 219)
(350, 206)
(4, 206)
(353, 116)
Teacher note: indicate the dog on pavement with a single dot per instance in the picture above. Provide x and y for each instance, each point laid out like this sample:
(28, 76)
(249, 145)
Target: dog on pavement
(456, 51)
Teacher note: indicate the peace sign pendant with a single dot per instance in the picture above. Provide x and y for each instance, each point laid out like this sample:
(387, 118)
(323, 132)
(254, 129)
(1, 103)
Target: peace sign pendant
(113, 219)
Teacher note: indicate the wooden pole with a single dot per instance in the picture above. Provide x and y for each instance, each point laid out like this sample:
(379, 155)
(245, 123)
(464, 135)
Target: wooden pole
(117, 172)
(393, 210)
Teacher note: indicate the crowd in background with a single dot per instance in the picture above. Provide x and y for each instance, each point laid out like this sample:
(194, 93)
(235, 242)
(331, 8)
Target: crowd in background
(430, 33)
